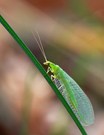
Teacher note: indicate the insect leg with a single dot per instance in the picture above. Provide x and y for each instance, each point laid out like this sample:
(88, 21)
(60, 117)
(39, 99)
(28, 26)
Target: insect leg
(48, 70)
(52, 77)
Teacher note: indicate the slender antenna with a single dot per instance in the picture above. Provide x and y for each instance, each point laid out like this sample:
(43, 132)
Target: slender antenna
(40, 44)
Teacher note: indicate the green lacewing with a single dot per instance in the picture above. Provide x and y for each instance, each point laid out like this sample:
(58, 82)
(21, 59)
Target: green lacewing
(70, 90)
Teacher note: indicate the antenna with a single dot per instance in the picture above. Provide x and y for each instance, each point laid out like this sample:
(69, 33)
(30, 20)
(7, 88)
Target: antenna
(38, 41)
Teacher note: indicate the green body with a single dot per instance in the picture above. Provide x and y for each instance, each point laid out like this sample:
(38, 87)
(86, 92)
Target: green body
(73, 94)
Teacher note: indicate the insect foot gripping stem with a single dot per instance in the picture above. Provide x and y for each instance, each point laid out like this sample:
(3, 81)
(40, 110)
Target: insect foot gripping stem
(53, 77)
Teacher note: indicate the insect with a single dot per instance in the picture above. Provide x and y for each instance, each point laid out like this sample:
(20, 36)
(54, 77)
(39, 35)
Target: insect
(70, 90)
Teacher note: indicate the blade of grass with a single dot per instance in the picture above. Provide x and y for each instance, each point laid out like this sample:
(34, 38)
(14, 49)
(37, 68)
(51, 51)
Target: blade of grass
(43, 72)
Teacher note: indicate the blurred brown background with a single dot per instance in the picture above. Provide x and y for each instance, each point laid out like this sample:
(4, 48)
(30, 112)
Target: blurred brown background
(72, 33)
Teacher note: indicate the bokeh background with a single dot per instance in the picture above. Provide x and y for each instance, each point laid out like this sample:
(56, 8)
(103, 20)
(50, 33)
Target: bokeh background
(72, 33)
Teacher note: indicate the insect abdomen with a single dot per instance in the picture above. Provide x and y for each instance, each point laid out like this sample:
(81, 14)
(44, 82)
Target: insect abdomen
(63, 91)
(75, 97)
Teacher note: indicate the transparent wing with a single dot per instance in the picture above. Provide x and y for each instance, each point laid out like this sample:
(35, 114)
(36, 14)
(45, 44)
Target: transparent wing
(84, 109)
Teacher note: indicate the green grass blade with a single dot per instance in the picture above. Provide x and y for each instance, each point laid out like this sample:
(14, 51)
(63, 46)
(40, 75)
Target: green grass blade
(43, 72)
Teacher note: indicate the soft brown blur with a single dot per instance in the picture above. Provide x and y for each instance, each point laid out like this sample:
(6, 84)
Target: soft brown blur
(97, 7)
(73, 37)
